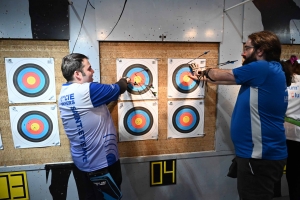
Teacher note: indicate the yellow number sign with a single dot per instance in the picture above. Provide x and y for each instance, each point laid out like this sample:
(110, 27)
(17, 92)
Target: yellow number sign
(162, 172)
(13, 185)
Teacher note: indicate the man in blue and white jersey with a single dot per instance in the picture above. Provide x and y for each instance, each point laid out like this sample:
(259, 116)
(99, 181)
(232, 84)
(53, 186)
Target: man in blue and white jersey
(257, 129)
(89, 126)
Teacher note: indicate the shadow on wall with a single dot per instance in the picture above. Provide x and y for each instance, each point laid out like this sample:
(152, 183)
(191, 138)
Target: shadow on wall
(60, 178)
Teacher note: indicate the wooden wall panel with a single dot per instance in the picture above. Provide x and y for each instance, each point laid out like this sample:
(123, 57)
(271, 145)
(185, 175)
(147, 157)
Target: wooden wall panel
(110, 51)
(30, 49)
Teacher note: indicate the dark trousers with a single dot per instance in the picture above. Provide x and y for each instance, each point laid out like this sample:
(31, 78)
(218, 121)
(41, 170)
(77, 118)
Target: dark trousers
(293, 169)
(92, 192)
(256, 177)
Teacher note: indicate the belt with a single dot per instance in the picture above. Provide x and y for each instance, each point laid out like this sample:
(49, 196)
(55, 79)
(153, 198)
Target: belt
(98, 172)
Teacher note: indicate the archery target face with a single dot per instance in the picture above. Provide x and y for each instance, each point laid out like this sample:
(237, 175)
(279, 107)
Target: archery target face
(34, 126)
(138, 120)
(180, 85)
(143, 75)
(185, 118)
(30, 80)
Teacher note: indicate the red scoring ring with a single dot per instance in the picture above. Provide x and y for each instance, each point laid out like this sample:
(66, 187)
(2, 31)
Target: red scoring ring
(39, 131)
(35, 76)
(142, 83)
(140, 125)
(186, 114)
(181, 78)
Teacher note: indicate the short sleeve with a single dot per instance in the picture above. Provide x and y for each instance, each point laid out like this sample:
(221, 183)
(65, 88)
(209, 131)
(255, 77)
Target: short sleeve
(103, 93)
(252, 74)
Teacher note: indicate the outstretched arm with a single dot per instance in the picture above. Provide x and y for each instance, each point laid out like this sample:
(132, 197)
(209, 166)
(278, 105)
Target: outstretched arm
(222, 76)
(212, 75)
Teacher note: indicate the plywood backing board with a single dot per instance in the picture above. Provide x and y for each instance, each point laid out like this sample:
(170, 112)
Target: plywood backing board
(110, 51)
(30, 49)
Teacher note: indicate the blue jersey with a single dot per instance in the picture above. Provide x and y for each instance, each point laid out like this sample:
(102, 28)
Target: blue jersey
(257, 129)
(88, 124)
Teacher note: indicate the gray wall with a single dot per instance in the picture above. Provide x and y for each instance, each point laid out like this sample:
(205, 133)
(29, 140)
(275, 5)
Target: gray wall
(178, 20)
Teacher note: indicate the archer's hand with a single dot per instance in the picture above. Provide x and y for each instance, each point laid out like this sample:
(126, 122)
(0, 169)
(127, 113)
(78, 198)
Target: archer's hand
(194, 76)
(127, 79)
(194, 67)
(197, 72)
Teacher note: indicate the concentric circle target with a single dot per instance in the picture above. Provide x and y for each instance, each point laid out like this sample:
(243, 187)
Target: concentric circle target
(31, 80)
(181, 81)
(140, 76)
(138, 121)
(35, 126)
(185, 119)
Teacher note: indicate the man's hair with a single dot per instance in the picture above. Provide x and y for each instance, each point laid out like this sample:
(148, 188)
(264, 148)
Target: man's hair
(72, 63)
(268, 42)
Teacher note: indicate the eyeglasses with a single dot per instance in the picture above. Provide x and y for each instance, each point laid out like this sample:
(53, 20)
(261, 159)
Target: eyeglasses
(247, 47)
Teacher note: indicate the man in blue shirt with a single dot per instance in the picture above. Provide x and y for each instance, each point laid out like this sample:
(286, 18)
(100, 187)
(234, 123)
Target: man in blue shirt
(89, 126)
(257, 129)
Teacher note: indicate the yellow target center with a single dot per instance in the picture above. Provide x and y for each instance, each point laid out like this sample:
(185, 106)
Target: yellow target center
(138, 121)
(186, 119)
(31, 80)
(35, 126)
(186, 78)
(137, 79)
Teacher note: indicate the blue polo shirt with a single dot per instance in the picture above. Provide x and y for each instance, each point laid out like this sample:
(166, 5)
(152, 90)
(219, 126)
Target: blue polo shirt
(88, 124)
(257, 129)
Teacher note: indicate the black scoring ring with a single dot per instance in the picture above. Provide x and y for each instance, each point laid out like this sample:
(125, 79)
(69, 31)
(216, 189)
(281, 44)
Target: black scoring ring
(44, 77)
(148, 120)
(175, 83)
(48, 127)
(130, 72)
(176, 123)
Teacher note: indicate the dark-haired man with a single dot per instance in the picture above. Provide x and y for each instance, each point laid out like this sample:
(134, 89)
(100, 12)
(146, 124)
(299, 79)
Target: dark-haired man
(89, 126)
(257, 129)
